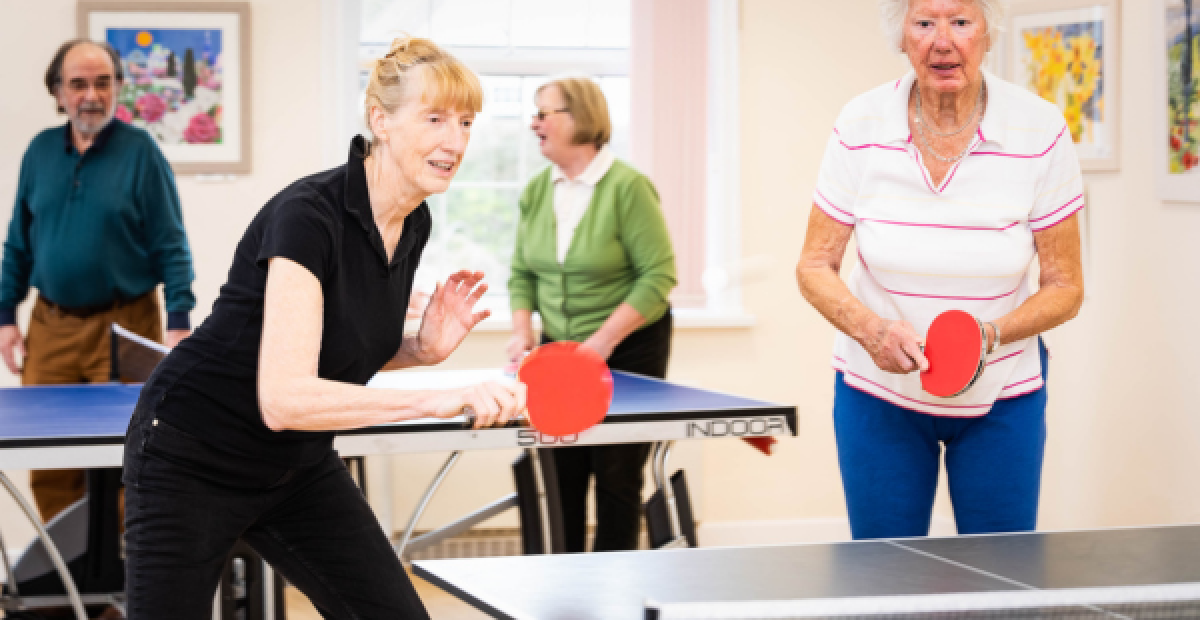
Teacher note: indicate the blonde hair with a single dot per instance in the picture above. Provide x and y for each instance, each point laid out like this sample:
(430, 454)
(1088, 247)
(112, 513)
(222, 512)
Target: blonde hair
(893, 12)
(586, 104)
(448, 83)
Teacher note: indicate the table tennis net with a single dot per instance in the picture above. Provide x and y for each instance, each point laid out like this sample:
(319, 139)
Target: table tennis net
(1140, 602)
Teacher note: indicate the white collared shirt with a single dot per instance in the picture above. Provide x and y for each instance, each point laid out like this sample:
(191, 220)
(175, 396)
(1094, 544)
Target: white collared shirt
(572, 197)
(967, 244)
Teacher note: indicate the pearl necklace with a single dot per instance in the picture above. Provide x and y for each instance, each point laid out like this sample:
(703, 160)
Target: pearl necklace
(924, 131)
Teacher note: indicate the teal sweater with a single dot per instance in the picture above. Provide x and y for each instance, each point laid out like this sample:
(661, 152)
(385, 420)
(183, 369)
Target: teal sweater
(88, 229)
(621, 253)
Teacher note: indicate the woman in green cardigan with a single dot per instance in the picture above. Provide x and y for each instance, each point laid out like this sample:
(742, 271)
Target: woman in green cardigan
(594, 259)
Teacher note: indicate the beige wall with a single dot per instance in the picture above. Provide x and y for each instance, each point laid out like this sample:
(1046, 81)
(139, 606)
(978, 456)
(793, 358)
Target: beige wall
(1125, 440)
(286, 69)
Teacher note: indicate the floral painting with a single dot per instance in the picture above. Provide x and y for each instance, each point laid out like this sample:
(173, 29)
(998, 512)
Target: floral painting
(173, 82)
(1062, 65)
(1183, 82)
(1068, 57)
(187, 77)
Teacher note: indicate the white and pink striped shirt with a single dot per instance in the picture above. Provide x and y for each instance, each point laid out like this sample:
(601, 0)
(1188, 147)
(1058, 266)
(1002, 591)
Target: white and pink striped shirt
(965, 245)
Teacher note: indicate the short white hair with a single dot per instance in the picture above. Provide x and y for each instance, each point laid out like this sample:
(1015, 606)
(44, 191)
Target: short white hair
(893, 12)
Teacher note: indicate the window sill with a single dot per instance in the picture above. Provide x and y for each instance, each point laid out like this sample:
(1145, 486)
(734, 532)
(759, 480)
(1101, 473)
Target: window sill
(684, 319)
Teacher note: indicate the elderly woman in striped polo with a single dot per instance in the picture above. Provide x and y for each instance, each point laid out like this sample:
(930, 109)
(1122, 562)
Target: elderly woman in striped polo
(953, 182)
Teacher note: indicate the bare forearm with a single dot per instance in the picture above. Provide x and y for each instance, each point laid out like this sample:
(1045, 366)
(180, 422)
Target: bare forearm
(817, 275)
(1045, 310)
(522, 321)
(313, 404)
(622, 322)
(826, 291)
(409, 355)
(1061, 285)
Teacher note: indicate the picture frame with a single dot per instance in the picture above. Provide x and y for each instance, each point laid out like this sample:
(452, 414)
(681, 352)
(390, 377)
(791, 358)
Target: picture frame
(1177, 104)
(1068, 52)
(187, 77)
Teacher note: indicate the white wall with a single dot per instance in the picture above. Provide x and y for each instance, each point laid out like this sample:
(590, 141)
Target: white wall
(286, 113)
(1125, 440)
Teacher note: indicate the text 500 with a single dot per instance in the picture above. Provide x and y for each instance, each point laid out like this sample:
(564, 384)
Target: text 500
(530, 437)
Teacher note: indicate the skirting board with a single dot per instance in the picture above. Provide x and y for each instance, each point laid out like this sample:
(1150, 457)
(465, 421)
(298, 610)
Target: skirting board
(788, 531)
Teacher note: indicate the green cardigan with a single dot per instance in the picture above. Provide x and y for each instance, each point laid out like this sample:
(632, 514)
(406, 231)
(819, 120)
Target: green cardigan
(621, 252)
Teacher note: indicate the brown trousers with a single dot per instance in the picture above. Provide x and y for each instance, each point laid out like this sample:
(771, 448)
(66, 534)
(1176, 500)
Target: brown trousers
(61, 348)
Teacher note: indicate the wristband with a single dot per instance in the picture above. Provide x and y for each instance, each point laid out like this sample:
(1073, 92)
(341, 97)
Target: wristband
(995, 339)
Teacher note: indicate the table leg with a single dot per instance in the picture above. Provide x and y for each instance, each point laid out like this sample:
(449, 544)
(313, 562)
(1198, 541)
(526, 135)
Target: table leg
(51, 549)
(385, 497)
(270, 596)
(549, 501)
(662, 452)
(433, 487)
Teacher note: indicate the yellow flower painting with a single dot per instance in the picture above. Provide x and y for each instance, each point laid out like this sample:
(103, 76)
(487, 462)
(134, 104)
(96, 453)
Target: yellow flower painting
(1063, 63)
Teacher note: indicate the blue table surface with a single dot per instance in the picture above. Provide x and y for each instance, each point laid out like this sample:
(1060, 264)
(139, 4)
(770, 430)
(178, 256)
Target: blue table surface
(102, 411)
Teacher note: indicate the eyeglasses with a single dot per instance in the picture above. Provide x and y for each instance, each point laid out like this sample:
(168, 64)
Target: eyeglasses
(103, 83)
(542, 114)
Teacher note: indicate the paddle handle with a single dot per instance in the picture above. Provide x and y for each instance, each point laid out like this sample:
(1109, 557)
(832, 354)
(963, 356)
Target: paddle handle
(468, 413)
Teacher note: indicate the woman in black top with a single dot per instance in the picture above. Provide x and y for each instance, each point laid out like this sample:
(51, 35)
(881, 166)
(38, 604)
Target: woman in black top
(233, 434)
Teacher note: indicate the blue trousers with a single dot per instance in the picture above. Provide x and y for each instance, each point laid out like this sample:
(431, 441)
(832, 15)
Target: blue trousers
(889, 462)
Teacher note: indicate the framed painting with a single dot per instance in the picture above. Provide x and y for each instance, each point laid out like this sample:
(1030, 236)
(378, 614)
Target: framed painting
(187, 77)
(1067, 52)
(1177, 100)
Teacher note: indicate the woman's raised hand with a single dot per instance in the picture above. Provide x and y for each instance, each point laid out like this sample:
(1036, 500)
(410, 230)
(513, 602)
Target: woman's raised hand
(895, 347)
(450, 315)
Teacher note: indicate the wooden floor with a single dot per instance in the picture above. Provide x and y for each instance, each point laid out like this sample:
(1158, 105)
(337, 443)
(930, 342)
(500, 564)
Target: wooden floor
(441, 606)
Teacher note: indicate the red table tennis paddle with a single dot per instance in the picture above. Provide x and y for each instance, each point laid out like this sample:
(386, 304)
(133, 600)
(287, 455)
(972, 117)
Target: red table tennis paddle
(955, 346)
(569, 388)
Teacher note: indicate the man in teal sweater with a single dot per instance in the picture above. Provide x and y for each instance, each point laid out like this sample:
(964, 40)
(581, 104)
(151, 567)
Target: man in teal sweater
(96, 227)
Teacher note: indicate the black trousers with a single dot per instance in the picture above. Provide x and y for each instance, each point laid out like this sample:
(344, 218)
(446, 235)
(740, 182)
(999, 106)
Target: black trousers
(187, 503)
(617, 469)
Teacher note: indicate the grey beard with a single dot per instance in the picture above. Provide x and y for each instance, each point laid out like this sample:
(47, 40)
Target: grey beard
(91, 129)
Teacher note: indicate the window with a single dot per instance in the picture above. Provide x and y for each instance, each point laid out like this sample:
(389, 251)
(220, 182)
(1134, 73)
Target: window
(515, 46)
(674, 107)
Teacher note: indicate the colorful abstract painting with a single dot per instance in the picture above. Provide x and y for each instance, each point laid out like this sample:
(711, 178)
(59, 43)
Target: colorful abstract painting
(1062, 57)
(173, 85)
(1183, 84)
(187, 77)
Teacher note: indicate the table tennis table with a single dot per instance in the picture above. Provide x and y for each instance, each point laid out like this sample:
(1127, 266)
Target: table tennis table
(83, 426)
(1151, 572)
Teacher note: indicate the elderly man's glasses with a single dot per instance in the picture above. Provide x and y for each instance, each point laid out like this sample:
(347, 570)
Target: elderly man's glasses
(542, 114)
(79, 86)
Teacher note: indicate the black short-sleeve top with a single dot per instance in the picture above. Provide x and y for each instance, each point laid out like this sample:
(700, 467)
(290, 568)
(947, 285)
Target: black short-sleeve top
(208, 384)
